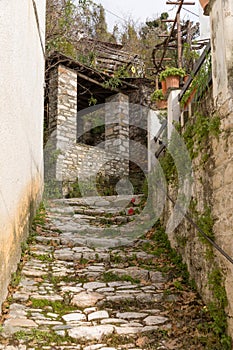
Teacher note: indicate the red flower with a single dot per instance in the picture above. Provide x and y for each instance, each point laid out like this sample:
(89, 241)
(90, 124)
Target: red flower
(133, 200)
(130, 211)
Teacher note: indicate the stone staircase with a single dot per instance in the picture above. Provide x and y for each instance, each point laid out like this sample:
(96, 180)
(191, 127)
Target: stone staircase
(98, 221)
(79, 289)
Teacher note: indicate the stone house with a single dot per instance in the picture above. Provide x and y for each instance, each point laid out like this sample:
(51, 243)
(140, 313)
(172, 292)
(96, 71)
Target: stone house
(89, 119)
(22, 31)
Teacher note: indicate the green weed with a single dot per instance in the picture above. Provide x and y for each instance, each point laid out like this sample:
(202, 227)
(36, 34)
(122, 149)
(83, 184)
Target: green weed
(57, 306)
(112, 277)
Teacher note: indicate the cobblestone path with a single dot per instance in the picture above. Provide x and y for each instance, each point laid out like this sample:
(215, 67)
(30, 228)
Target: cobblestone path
(79, 290)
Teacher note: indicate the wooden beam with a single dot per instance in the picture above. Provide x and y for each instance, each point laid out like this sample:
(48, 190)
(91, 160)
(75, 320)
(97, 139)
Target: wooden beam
(80, 75)
(170, 36)
(179, 41)
(164, 59)
(178, 3)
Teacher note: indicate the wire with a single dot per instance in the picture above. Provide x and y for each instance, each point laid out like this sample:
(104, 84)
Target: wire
(188, 217)
(193, 13)
(114, 14)
(172, 9)
(122, 19)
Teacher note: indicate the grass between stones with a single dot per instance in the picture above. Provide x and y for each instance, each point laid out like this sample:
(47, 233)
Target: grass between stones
(112, 277)
(36, 337)
(43, 257)
(55, 306)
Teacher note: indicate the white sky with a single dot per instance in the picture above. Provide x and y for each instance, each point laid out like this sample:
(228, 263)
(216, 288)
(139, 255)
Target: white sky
(140, 10)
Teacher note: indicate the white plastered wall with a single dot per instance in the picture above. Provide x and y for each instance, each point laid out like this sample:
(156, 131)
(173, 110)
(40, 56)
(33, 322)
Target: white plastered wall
(21, 124)
(221, 19)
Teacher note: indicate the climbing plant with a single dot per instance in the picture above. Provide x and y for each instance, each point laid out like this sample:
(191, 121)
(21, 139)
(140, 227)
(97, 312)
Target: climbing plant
(198, 130)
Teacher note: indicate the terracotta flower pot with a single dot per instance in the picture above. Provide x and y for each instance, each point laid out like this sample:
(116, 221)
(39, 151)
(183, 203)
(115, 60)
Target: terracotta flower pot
(161, 104)
(173, 81)
(164, 86)
(204, 5)
(185, 78)
(190, 99)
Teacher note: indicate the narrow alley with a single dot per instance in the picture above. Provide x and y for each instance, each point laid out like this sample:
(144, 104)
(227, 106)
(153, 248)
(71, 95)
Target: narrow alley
(75, 289)
(116, 175)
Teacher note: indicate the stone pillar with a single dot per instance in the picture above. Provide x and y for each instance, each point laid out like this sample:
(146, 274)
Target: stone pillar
(53, 90)
(62, 119)
(66, 107)
(173, 108)
(117, 133)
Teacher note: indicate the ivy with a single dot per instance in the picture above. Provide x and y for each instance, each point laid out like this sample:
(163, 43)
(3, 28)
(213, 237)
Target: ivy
(217, 308)
(116, 81)
(201, 80)
(157, 95)
(206, 222)
(92, 101)
(112, 83)
(168, 165)
(198, 131)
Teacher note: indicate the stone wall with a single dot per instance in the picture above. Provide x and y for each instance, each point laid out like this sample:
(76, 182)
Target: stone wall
(212, 193)
(185, 238)
(86, 164)
(223, 202)
(213, 172)
(221, 18)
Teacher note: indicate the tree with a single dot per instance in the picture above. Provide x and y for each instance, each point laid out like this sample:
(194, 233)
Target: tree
(67, 22)
(59, 16)
(100, 26)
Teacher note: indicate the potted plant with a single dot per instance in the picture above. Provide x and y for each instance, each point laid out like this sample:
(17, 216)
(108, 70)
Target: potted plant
(164, 86)
(172, 76)
(188, 97)
(205, 6)
(159, 99)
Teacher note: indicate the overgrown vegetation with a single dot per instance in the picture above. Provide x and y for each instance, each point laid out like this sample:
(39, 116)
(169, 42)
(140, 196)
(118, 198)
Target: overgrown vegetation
(58, 307)
(41, 337)
(112, 277)
(157, 95)
(205, 222)
(163, 246)
(169, 169)
(198, 132)
(217, 309)
(38, 221)
(214, 331)
(69, 21)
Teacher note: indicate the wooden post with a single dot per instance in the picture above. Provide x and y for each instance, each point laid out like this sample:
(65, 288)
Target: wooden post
(179, 40)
